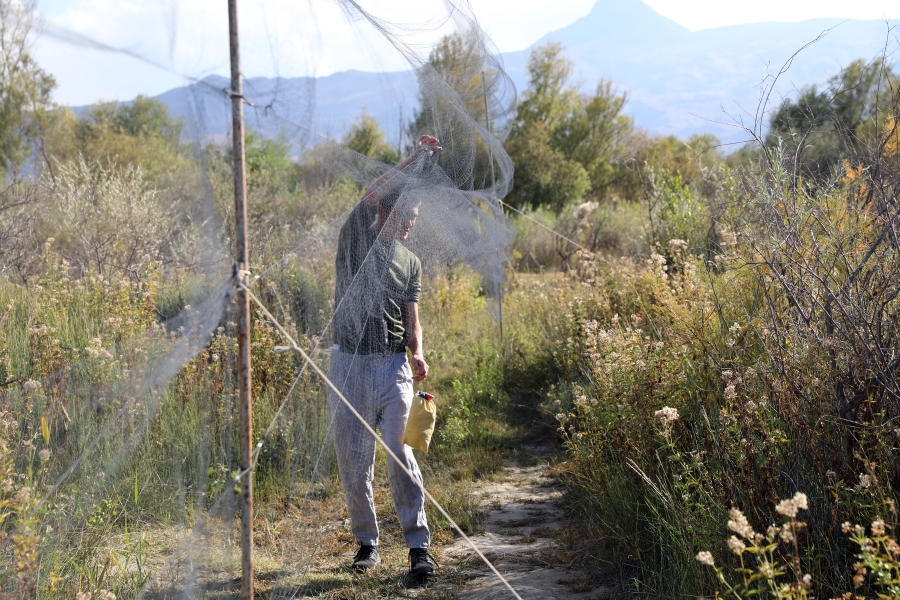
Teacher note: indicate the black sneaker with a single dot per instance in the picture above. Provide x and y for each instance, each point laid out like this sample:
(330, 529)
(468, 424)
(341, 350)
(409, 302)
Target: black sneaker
(366, 558)
(421, 563)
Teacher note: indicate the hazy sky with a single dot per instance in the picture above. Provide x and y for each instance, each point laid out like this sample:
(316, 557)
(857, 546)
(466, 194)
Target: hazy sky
(303, 37)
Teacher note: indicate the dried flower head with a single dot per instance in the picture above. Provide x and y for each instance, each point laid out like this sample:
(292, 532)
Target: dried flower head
(676, 245)
(860, 577)
(730, 392)
(706, 558)
(666, 415)
(44, 455)
(878, 528)
(892, 546)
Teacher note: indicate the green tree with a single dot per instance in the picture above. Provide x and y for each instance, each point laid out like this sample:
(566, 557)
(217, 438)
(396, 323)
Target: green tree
(685, 157)
(823, 127)
(452, 90)
(24, 87)
(565, 144)
(367, 138)
(141, 133)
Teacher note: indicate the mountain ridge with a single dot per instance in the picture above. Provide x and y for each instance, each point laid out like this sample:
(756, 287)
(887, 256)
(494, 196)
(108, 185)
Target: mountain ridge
(678, 81)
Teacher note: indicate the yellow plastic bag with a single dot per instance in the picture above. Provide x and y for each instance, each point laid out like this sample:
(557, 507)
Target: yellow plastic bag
(420, 425)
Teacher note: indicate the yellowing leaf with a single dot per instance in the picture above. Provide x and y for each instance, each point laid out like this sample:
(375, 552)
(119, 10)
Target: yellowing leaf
(45, 429)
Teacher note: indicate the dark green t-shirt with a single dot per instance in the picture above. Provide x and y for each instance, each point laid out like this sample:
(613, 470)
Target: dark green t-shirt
(375, 278)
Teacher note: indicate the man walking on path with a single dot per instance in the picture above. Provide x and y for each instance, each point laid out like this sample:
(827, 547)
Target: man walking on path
(378, 281)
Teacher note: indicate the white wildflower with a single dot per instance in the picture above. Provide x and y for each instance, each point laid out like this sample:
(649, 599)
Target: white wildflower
(786, 508)
(706, 558)
(44, 455)
(31, 384)
(739, 524)
(790, 506)
(735, 544)
(878, 528)
(865, 481)
(787, 533)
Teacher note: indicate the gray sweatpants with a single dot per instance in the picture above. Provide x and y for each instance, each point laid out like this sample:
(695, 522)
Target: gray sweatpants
(380, 387)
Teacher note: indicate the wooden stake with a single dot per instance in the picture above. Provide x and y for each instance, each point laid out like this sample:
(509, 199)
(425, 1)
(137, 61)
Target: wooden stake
(242, 268)
(487, 118)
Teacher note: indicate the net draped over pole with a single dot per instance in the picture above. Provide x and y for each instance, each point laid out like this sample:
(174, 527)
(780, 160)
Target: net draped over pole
(173, 427)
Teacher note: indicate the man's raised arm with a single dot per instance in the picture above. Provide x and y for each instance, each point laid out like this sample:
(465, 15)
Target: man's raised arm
(394, 177)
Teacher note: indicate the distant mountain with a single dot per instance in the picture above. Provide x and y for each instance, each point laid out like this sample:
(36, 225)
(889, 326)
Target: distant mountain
(302, 106)
(678, 81)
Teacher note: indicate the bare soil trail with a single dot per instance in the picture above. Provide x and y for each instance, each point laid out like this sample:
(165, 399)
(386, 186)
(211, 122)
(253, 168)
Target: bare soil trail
(525, 525)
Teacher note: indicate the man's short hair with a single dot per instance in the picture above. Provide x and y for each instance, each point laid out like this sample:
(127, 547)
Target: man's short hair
(389, 200)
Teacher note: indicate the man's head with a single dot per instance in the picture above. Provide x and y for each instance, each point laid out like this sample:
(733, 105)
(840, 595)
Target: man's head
(397, 213)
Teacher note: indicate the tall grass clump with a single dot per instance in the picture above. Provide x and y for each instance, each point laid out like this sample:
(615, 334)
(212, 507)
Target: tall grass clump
(92, 323)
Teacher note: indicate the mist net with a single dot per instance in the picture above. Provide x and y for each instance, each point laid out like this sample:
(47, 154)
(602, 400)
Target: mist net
(140, 494)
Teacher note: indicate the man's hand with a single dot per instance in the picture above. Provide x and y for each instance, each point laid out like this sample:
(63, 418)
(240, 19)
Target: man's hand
(427, 140)
(427, 143)
(420, 368)
(389, 180)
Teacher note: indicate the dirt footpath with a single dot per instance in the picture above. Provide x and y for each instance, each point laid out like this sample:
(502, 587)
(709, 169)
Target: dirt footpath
(524, 523)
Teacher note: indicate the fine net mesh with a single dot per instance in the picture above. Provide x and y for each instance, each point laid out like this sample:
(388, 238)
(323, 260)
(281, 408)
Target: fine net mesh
(144, 425)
